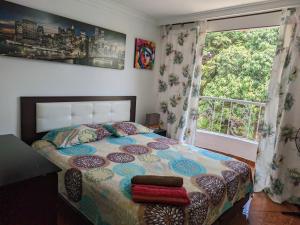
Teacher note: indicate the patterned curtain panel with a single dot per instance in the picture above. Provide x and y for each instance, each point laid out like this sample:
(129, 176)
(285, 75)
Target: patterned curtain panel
(179, 79)
(278, 162)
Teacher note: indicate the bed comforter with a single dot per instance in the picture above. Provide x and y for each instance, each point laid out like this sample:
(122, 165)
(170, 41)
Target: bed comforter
(96, 179)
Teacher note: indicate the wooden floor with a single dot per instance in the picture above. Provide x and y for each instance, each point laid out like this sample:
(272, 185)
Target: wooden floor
(264, 211)
(260, 211)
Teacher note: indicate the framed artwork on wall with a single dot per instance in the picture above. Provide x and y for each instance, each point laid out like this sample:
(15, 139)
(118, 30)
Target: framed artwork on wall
(34, 34)
(144, 57)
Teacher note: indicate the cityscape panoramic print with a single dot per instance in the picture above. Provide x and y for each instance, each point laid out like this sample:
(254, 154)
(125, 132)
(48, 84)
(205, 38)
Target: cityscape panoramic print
(34, 34)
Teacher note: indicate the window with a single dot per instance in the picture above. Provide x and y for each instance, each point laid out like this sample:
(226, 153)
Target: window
(236, 73)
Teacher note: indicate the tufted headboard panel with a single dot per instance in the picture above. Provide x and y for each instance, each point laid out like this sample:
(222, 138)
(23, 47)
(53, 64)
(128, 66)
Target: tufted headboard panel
(41, 114)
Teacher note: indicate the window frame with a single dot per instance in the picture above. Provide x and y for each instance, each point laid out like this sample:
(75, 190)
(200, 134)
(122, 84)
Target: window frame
(260, 20)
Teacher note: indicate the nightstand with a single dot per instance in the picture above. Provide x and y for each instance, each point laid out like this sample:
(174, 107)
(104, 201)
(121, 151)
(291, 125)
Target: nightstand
(160, 132)
(28, 185)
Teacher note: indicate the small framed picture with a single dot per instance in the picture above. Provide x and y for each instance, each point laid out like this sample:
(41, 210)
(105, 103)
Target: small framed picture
(144, 54)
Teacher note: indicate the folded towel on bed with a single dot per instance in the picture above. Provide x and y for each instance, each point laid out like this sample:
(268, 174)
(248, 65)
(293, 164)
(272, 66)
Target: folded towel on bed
(152, 190)
(161, 200)
(166, 181)
(159, 194)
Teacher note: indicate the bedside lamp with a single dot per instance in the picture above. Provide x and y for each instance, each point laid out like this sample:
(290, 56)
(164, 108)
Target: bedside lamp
(152, 120)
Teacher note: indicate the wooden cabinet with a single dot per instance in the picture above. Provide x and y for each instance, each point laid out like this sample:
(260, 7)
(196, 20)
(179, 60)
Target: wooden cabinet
(28, 185)
(161, 132)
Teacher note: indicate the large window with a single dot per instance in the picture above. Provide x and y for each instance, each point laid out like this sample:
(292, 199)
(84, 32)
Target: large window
(236, 73)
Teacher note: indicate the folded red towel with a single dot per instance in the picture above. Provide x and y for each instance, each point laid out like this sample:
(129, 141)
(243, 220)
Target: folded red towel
(159, 194)
(152, 190)
(161, 200)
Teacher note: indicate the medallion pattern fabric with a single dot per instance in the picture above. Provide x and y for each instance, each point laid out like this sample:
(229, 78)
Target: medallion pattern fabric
(73, 184)
(149, 158)
(120, 157)
(121, 140)
(198, 208)
(232, 183)
(186, 167)
(167, 141)
(125, 186)
(158, 145)
(278, 161)
(179, 79)
(70, 136)
(214, 155)
(135, 149)
(78, 150)
(104, 175)
(163, 215)
(121, 129)
(213, 185)
(241, 168)
(100, 131)
(126, 128)
(129, 170)
(169, 155)
(98, 175)
(87, 161)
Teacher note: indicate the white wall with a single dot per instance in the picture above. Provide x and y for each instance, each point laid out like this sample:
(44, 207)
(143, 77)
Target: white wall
(227, 144)
(21, 77)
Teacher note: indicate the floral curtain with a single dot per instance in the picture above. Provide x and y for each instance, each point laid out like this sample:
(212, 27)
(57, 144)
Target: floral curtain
(278, 162)
(179, 79)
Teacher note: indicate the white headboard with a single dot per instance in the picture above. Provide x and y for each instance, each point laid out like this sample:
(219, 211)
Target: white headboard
(63, 114)
(41, 114)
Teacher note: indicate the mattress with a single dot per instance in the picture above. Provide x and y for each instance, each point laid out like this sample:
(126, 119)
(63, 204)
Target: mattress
(96, 179)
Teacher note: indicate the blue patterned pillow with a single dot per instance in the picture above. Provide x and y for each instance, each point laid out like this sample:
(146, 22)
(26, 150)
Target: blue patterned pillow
(69, 136)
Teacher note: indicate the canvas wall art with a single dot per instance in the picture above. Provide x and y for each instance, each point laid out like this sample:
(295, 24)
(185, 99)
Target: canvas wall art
(144, 54)
(34, 34)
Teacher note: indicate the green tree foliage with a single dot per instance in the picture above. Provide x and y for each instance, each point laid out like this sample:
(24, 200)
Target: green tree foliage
(237, 64)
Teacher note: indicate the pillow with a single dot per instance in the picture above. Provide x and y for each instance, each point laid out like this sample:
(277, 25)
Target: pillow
(100, 130)
(69, 136)
(121, 129)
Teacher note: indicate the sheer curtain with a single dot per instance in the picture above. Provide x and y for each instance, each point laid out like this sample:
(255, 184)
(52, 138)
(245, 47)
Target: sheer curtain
(278, 161)
(179, 78)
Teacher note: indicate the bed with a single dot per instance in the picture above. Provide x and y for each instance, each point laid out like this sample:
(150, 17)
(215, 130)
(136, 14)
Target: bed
(95, 177)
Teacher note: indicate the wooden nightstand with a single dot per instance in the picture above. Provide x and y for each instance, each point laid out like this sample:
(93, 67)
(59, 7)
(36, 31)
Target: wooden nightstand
(28, 185)
(160, 132)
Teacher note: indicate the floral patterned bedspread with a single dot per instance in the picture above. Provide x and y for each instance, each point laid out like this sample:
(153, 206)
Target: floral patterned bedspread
(96, 179)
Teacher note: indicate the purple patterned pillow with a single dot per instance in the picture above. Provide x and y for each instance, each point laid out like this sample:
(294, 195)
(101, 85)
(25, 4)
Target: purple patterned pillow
(100, 130)
(121, 129)
(127, 128)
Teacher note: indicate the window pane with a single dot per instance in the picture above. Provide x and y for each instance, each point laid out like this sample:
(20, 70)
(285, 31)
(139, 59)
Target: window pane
(237, 64)
(236, 74)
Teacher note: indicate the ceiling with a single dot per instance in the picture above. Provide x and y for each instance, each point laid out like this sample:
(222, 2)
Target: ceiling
(160, 9)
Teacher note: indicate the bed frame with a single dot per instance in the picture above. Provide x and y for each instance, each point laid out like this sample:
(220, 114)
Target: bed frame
(29, 134)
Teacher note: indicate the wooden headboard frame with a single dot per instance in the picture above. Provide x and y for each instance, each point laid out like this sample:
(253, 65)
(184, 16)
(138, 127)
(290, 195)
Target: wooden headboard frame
(28, 111)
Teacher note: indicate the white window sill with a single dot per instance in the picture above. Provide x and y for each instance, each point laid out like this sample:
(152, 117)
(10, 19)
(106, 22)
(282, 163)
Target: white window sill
(228, 144)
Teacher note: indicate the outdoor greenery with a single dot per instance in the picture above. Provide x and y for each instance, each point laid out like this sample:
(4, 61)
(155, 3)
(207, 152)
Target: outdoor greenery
(236, 65)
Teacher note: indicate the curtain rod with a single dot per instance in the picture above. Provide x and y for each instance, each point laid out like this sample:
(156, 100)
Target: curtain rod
(230, 17)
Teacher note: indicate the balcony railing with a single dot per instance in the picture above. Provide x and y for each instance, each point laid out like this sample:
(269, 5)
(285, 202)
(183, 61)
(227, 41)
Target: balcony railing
(239, 118)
